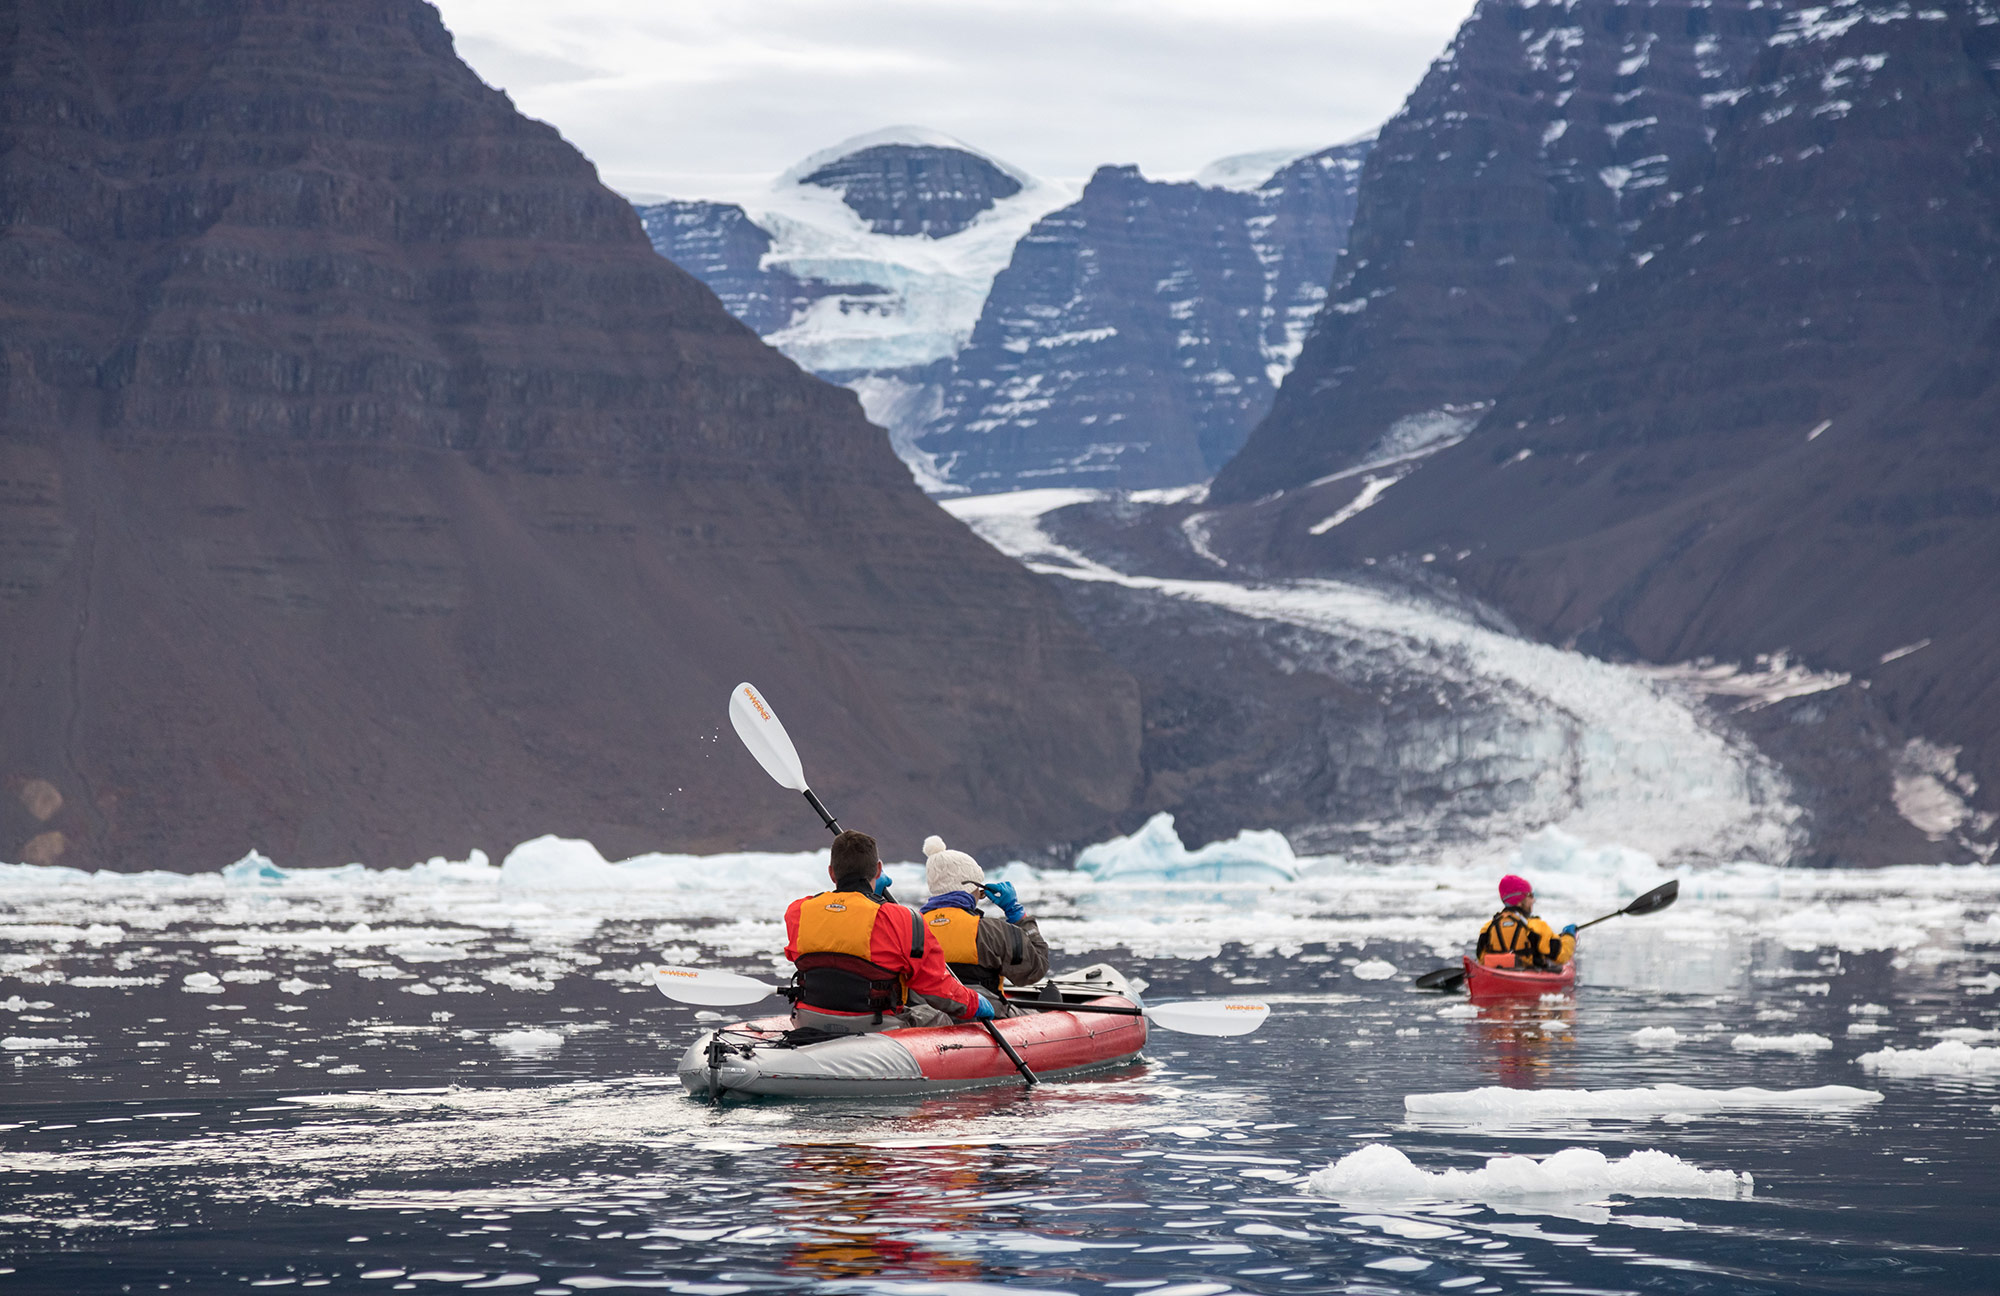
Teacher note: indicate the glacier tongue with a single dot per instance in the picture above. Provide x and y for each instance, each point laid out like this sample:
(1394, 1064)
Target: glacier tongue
(1596, 751)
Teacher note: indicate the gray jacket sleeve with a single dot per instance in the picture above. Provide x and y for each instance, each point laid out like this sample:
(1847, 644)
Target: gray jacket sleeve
(1017, 949)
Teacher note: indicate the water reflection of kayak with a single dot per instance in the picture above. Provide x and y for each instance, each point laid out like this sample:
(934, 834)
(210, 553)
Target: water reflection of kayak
(766, 1057)
(1483, 982)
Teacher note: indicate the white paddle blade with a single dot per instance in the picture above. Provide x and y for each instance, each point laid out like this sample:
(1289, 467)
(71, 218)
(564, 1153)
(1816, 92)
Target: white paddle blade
(709, 989)
(757, 725)
(1210, 1016)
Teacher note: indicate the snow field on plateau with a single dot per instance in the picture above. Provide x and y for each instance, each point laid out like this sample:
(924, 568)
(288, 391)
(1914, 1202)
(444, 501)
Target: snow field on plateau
(935, 287)
(1620, 756)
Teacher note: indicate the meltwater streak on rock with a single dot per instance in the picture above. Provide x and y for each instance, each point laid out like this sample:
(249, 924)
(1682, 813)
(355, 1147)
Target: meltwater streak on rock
(370, 488)
(1609, 755)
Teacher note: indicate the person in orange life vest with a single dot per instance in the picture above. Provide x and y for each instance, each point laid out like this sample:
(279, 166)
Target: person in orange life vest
(983, 951)
(1517, 939)
(864, 962)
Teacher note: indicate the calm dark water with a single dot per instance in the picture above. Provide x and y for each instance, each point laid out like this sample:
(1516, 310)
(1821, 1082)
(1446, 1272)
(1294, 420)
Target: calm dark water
(359, 1136)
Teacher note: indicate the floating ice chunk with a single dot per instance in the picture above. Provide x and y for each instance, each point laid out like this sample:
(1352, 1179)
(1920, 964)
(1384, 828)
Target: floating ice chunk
(254, 869)
(1981, 984)
(1657, 1037)
(1379, 1172)
(1963, 1034)
(1156, 853)
(27, 1043)
(1375, 970)
(1495, 1105)
(1949, 1058)
(201, 983)
(1805, 1043)
(1865, 1028)
(1456, 1011)
(527, 1043)
(298, 985)
(247, 976)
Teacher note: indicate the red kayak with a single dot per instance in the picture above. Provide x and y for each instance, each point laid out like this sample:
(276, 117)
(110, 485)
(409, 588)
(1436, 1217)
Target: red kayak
(756, 1057)
(1482, 982)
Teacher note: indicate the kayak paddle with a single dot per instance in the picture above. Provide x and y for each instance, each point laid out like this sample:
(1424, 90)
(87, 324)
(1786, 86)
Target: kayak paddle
(708, 988)
(1651, 902)
(759, 728)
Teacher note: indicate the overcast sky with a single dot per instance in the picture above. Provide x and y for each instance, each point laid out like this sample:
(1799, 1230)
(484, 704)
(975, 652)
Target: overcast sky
(692, 97)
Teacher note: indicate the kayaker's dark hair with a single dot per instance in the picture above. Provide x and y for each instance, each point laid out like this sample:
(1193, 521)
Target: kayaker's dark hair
(854, 858)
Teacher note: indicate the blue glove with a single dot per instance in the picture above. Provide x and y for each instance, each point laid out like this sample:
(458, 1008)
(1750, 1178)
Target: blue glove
(881, 887)
(984, 1012)
(1569, 930)
(1002, 894)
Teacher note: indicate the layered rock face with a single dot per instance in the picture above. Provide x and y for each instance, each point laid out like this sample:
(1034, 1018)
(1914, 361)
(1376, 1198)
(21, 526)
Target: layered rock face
(915, 189)
(370, 489)
(1509, 182)
(1138, 335)
(1773, 428)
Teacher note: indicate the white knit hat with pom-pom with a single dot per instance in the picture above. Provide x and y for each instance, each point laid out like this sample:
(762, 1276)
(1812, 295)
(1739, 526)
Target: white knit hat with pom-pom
(949, 870)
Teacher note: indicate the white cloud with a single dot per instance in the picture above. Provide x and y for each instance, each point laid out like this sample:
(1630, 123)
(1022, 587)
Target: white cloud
(688, 97)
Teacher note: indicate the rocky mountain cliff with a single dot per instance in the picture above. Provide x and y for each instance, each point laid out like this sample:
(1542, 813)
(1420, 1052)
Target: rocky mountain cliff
(1170, 308)
(1137, 336)
(1771, 428)
(370, 489)
(1509, 182)
(925, 189)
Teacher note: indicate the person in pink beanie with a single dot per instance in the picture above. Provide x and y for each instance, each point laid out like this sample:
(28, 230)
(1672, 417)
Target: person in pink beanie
(1517, 939)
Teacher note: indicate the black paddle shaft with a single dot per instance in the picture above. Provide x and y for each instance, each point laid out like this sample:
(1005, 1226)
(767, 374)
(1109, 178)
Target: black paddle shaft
(1008, 1049)
(1046, 1005)
(832, 824)
(1651, 902)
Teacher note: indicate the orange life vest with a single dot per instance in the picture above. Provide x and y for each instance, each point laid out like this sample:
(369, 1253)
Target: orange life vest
(957, 934)
(835, 939)
(1510, 940)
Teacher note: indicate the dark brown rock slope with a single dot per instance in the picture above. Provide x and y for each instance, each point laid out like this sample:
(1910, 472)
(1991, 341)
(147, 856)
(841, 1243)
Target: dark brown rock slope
(1507, 184)
(1775, 428)
(369, 488)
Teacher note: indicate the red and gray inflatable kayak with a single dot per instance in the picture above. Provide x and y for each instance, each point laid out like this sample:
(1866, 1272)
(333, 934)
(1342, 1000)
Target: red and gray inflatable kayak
(1482, 982)
(757, 1057)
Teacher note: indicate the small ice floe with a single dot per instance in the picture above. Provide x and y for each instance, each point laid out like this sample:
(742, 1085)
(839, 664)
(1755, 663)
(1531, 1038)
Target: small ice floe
(1495, 1105)
(1457, 1011)
(29, 1043)
(1981, 984)
(201, 983)
(527, 1043)
(1803, 1043)
(1949, 1058)
(1374, 970)
(1657, 1037)
(1379, 1172)
(298, 985)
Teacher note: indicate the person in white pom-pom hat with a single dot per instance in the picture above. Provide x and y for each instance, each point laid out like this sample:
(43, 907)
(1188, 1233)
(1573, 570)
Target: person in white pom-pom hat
(985, 952)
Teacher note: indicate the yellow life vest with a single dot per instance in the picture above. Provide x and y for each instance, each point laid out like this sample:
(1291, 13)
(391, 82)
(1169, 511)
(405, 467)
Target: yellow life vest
(957, 934)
